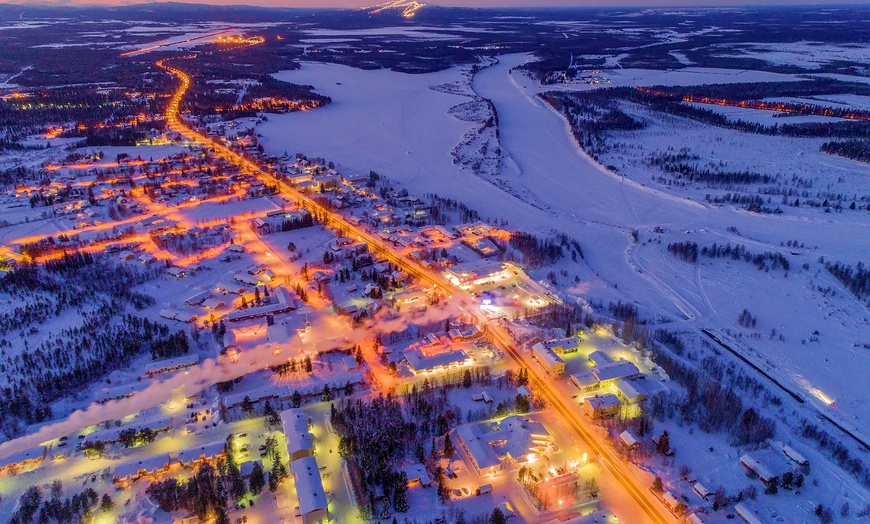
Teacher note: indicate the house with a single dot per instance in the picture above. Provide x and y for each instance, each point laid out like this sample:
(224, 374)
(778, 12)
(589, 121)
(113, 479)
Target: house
(674, 504)
(602, 406)
(300, 442)
(701, 490)
(176, 272)
(764, 472)
(197, 299)
(749, 515)
(416, 473)
(552, 363)
(309, 489)
(629, 440)
(350, 363)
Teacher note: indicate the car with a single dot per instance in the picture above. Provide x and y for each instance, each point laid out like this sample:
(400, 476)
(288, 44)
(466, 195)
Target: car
(63, 439)
(262, 447)
(62, 444)
(243, 435)
(93, 478)
(466, 491)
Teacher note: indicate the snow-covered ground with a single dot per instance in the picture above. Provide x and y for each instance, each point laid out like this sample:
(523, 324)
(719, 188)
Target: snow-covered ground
(554, 186)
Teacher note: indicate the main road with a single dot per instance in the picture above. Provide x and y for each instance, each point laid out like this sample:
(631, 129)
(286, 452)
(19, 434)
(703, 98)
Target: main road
(644, 502)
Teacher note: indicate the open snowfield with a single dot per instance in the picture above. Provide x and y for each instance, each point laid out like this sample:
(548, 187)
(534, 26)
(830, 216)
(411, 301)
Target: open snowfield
(804, 54)
(783, 156)
(553, 185)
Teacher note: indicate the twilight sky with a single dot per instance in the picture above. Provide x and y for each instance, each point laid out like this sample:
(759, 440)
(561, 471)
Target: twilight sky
(452, 3)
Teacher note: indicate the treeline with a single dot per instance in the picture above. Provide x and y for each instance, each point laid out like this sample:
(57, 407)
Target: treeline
(713, 407)
(373, 438)
(691, 173)
(686, 251)
(79, 508)
(854, 149)
(763, 261)
(856, 280)
(536, 252)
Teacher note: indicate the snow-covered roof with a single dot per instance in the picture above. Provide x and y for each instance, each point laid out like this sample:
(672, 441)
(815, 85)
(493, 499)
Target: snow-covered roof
(295, 425)
(171, 364)
(607, 400)
(150, 464)
(309, 487)
(584, 380)
(615, 370)
(420, 362)
(599, 358)
(37, 453)
(210, 450)
(282, 304)
(562, 344)
(546, 355)
(632, 390)
(747, 514)
(602, 516)
(628, 438)
(256, 395)
(417, 472)
(760, 468)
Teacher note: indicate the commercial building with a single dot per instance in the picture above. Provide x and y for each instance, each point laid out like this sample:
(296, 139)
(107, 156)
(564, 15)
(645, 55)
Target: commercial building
(562, 345)
(419, 363)
(501, 445)
(551, 362)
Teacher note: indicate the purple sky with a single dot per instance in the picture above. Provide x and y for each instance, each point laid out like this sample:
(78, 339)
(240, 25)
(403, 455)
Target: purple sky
(463, 3)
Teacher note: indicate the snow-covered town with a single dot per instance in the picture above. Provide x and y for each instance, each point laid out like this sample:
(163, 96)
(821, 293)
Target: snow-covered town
(287, 270)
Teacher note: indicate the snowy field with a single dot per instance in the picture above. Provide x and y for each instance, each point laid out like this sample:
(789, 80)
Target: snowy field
(803, 54)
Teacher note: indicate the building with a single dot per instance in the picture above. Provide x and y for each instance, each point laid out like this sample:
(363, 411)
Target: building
(629, 440)
(420, 363)
(701, 490)
(630, 391)
(300, 442)
(309, 489)
(601, 516)
(562, 345)
(674, 504)
(198, 454)
(149, 467)
(764, 471)
(552, 363)
(119, 392)
(794, 456)
(23, 459)
(749, 515)
(609, 373)
(498, 446)
(476, 272)
(416, 473)
(171, 364)
(602, 406)
(694, 519)
(599, 358)
(282, 303)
